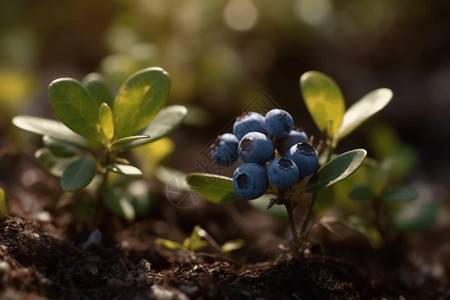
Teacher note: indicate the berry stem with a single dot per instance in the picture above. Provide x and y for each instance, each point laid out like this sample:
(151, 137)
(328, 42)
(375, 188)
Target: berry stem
(295, 233)
(305, 220)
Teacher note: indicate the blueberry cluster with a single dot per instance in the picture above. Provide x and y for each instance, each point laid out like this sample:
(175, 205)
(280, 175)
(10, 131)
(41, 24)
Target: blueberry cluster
(255, 140)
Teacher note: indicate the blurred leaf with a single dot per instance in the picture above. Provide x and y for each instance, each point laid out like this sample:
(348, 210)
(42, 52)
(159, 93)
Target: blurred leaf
(197, 116)
(324, 101)
(98, 88)
(214, 188)
(172, 177)
(151, 155)
(336, 170)
(126, 170)
(415, 217)
(3, 204)
(232, 245)
(140, 198)
(363, 109)
(105, 118)
(277, 211)
(52, 128)
(400, 194)
(195, 242)
(78, 174)
(58, 148)
(139, 100)
(51, 163)
(168, 244)
(116, 200)
(168, 119)
(75, 107)
(123, 142)
(361, 193)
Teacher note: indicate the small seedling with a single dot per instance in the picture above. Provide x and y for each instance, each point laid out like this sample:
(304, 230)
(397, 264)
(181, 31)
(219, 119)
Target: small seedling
(281, 165)
(200, 239)
(97, 128)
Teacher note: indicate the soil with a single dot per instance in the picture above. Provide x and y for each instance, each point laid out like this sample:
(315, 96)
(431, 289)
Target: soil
(45, 254)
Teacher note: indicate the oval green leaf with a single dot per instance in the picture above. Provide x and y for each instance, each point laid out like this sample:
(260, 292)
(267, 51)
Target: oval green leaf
(168, 244)
(363, 109)
(139, 100)
(213, 188)
(400, 194)
(324, 101)
(75, 107)
(139, 195)
(361, 193)
(59, 148)
(3, 204)
(123, 143)
(78, 174)
(336, 170)
(232, 245)
(52, 128)
(126, 170)
(98, 88)
(51, 163)
(105, 117)
(167, 120)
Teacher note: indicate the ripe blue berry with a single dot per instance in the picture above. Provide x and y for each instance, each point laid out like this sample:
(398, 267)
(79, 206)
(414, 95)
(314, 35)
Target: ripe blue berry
(250, 180)
(294, 137)
(248, 122)
(225, 151)
(255, 147)
(278, 122)
(305, 157)
(282, 172)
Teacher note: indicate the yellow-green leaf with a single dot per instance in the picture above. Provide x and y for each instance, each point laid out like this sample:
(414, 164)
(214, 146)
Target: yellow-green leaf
(363, 109)
(324, 101)
(3, 204)
(105, 117)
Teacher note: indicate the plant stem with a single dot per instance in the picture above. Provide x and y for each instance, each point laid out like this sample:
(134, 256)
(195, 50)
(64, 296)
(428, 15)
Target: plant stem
(306, 218)
(295, 233)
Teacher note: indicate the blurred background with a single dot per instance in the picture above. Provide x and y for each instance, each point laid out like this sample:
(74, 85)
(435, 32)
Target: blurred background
(222, 54)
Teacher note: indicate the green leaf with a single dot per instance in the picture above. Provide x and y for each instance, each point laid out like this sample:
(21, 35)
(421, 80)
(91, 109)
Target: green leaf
(58, 148)
(400, 194)
(363, 109)
(214, 188)
(51, 163)
(98, 88)
(105, 118)
(415, 217)
(168, 244)
(361, 193)
(78, 174)
(124, 142)
(139, 100)
(232, 245)
(3, 204)
(324, 101)
(52, 128)
(75, 107)
(117, 201)
(126, 170)
(168, 119)
(336, 170)
(277, 211)
(172, 177)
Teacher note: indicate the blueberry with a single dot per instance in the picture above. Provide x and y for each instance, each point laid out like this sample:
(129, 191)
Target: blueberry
(282, 172)
(225, 151)
(305, 157)
(248, 122)
(278, 122)
(250, 180)
(294, 137)
(255, 147)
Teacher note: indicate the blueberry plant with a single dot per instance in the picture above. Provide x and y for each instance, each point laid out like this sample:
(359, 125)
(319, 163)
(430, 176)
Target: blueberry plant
(281, 164)
(87, 145)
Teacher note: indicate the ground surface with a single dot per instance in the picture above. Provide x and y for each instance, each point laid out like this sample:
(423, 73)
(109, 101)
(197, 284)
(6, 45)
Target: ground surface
(45, 256)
